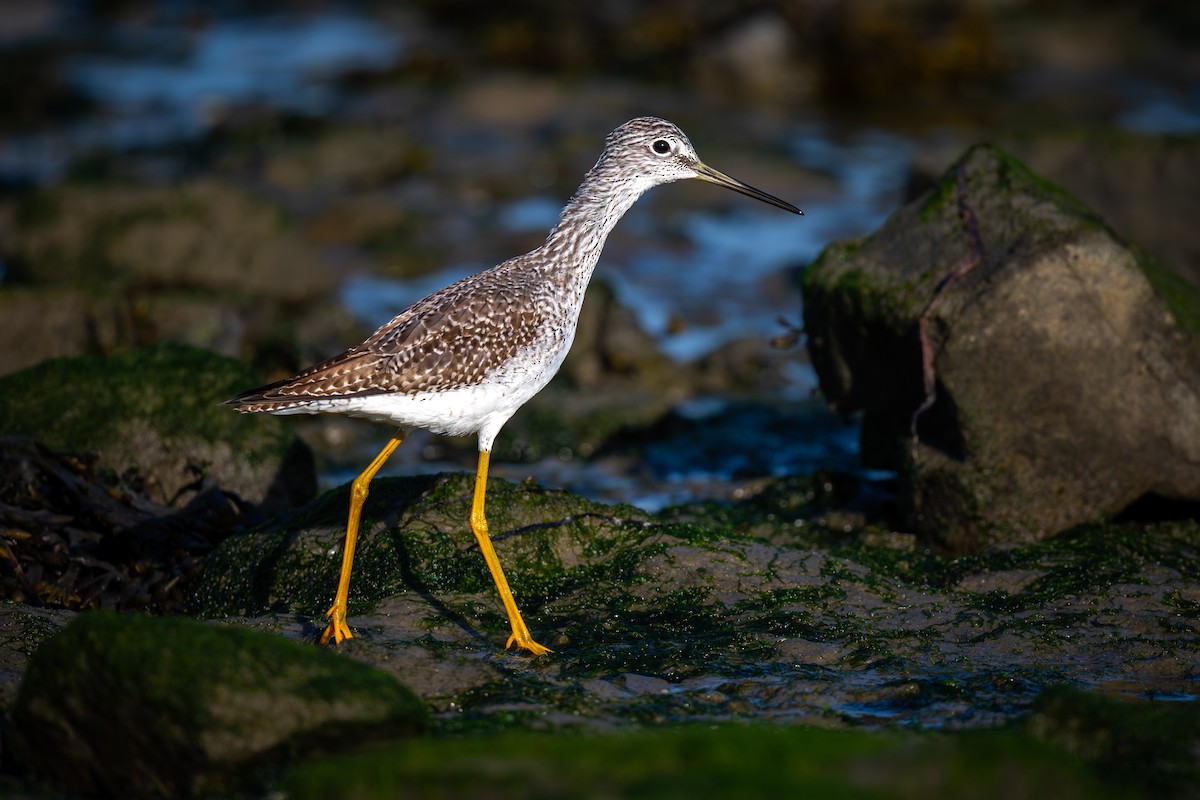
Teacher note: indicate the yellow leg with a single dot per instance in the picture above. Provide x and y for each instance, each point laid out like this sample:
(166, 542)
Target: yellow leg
(338, 629)
(520, 634)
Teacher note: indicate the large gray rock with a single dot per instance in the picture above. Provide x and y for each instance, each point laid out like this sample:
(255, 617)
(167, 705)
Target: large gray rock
(1141, 184)
(132, 706)
(1068, 366)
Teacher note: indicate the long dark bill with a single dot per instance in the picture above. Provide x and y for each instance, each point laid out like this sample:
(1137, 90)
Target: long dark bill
(707, 173)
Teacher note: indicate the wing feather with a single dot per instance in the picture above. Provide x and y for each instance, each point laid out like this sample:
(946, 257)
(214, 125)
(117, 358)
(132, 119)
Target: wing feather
(450, 339)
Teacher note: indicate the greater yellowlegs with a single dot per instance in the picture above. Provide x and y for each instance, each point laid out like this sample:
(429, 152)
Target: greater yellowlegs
(465, 358)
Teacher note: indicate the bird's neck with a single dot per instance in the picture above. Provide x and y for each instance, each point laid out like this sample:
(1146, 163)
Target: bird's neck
(600, 201)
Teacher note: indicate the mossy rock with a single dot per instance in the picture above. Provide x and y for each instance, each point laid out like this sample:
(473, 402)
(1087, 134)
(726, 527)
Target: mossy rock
(415, 535)
(130, 706)
(154, 415)
(729, 761)
(1074, 745)
(1067, 363)
(813, 623)
(1136, 181)
(1138, 743)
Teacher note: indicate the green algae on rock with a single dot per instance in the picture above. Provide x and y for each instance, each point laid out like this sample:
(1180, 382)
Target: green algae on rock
(414, 536)
(1066, 383)
(156, 412)
(132, 706)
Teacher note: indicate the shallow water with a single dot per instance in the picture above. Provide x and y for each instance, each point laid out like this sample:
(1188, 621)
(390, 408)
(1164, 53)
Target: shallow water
(717, 449)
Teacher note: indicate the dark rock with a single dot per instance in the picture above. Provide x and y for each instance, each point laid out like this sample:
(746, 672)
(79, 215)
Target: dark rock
(154, 415)
(78, 537)
(1068, 376)
(130, 706)
(40, 324)
(888, 53)
(202, 235)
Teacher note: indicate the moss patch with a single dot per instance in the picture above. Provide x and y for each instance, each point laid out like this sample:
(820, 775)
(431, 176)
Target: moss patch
(86, 402)
(726, 761)
(156, 412)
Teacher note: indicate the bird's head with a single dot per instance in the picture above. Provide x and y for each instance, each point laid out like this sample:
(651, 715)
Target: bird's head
(649, 151)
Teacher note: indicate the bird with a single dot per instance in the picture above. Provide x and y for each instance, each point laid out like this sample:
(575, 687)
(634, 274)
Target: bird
(464, 359)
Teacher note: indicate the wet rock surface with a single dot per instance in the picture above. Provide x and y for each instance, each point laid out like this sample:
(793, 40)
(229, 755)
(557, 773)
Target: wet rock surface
(1068, 381)
(684, 616)
(771, 609)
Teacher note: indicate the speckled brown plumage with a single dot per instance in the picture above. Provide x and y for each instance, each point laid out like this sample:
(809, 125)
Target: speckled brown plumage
(450, 339)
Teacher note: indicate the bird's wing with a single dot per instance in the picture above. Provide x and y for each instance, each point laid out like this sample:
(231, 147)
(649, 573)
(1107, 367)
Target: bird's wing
(451, 338)
(455, 337)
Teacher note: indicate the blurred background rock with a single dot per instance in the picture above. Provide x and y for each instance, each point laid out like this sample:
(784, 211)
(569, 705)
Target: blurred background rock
(272, 182)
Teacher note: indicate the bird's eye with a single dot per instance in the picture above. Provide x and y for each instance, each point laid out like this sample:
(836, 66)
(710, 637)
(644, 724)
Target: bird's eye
(662, 147)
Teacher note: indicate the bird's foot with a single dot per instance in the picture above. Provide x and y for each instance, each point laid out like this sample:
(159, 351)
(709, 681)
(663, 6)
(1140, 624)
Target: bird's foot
(524, 641)
(338, 629)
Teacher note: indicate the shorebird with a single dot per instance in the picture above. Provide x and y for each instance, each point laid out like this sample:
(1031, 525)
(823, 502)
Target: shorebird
(465, 358)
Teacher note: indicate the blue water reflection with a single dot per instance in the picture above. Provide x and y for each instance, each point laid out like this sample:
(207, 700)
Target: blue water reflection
(170, 82)
(281, 62)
